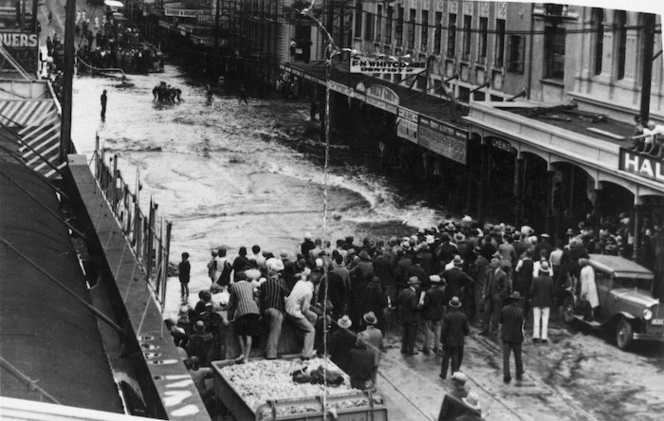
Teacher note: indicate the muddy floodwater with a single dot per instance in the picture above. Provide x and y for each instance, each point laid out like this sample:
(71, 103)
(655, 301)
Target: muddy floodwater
(230, 174)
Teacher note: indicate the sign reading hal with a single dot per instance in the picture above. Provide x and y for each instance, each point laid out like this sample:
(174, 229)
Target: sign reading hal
(23, 47)
(359, 64)
(444, 139)
(642, 165)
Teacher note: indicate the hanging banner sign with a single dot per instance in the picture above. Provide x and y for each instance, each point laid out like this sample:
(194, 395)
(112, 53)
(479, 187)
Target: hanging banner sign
(360, 64)
(641, 164)
(23, 47)
(407, 124)
(442, 138)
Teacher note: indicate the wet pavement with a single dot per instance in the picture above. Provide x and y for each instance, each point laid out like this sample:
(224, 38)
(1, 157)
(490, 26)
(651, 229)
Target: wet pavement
(577, 376)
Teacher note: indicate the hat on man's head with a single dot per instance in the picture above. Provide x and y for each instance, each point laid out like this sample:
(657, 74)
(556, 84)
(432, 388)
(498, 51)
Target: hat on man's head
(544, 235)
(455, 303)
(459, 237)
(345, 322)
(516, 295)
(450, 227)
(413, 280)
(458, 261)
(472, 402)
(308, 236)
(459, 378)
(434, 278)
(430, 239)
(370, 318)
(199, 326)
(544, 265)
(570, 231)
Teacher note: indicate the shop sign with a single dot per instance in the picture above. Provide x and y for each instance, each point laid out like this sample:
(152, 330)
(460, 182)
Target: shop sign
(407, 124)
(641, 165)
(23, 47)
(341, 88)
(382, 105)
(383, 97)
(366, 65)
(442, 138)
(383, 93)
(503, 145)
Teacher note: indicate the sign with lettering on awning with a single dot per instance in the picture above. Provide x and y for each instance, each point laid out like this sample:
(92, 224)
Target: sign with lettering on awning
(442, 138)
(23, 47)
(407, 124)
(382, 97)
(641, 164)
(384, 65)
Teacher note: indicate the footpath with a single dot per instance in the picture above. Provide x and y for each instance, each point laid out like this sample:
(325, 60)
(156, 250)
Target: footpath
(414, 391)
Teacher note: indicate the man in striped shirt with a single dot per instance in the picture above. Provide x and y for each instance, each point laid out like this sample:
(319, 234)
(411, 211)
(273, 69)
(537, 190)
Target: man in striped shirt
(299, 313)
(244, 311)
(272, 294)
(512, 319)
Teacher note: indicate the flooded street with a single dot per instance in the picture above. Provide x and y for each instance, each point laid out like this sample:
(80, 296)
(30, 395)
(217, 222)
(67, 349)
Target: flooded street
(230, 174)
(237, 175)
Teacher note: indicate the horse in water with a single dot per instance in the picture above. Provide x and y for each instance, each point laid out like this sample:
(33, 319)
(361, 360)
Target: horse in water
(167, 93)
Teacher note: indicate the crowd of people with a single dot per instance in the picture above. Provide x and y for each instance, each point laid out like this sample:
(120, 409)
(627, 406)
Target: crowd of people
(648, 138)
(436, 284)
(107, 43)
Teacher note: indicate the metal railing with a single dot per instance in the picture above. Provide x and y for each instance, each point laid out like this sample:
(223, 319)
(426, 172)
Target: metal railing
(148, 235)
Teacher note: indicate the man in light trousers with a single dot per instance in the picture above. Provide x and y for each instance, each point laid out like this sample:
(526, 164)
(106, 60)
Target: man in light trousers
(542, 295)
(299, 313)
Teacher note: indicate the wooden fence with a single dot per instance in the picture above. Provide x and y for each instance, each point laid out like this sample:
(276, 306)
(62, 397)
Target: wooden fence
(149, 236)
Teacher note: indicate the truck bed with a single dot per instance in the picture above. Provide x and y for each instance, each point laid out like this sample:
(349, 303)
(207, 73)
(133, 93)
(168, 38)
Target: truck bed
(236, 395)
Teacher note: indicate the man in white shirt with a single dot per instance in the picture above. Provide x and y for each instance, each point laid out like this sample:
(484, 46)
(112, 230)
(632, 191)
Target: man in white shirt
(299, 313)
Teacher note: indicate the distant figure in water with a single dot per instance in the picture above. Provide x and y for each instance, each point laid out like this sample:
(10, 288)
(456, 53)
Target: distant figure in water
(243, 94)
(209, 93)
(104, 99)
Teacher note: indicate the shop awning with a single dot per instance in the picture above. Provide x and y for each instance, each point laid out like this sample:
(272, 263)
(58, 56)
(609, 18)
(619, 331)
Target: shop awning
(113, 3)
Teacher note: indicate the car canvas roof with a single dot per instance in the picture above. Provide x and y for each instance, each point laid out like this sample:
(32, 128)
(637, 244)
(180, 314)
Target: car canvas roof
(619, 266)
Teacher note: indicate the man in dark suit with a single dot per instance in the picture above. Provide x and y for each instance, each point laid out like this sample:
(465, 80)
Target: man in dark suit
(542, 291)
(495, 291)
(456, 280)
(407, 302)
(512, 319)
(455, 329)
(446, 250)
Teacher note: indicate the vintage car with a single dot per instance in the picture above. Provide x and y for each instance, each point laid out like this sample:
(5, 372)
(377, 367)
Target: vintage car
(627, 310)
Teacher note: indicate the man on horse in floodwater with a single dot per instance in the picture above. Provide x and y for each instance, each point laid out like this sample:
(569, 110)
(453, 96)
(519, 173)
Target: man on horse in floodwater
(167, 93)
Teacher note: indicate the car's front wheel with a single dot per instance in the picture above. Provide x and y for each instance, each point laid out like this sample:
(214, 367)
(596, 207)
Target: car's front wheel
(568, 309)
(624, 334)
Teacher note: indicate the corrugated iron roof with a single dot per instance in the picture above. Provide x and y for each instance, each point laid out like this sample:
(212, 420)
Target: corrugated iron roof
(44, 332)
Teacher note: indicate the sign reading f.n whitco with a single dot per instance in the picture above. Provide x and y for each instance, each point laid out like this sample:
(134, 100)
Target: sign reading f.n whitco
(361, 64)
(23, 47)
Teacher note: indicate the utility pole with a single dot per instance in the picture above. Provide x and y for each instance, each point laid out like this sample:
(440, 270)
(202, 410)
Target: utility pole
(646, 74)
(68, 77)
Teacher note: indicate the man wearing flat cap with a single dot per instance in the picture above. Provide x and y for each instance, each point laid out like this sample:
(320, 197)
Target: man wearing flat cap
(408, 306)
